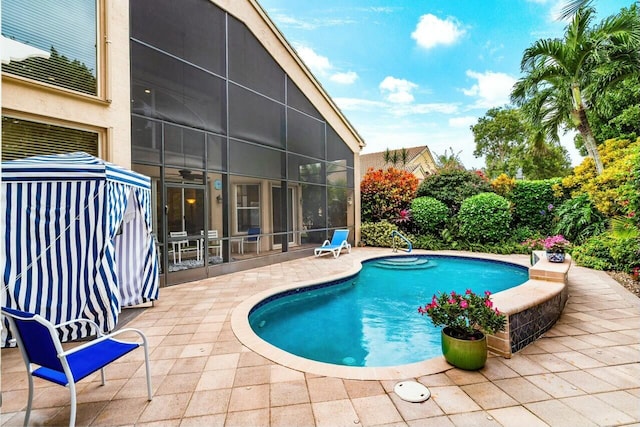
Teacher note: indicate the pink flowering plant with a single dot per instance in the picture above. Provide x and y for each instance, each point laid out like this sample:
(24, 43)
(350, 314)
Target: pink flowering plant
(465, 314)
(556, 243)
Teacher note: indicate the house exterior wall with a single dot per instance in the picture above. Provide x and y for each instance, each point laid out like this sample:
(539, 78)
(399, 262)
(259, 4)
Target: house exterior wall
(207, 196)
(107, 113)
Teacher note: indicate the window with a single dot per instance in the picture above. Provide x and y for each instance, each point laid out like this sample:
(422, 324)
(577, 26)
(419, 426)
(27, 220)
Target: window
(65, 28)
(247, 207)
(23, 138)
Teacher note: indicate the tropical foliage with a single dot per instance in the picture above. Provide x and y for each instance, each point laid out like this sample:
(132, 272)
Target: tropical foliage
(613, 191)
(534, 202)
(582, 81)
(564, 77)
(377, 233)
(578, 219)
(384, 193)
(512, 146)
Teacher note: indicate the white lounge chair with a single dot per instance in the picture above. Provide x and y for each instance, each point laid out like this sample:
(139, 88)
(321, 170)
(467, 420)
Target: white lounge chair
(336, 245)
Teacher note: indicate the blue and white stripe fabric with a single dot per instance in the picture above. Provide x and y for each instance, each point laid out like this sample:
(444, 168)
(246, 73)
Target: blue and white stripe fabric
(62, 256)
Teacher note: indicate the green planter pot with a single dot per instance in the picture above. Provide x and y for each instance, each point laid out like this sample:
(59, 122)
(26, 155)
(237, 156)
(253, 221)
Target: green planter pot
(470, 355)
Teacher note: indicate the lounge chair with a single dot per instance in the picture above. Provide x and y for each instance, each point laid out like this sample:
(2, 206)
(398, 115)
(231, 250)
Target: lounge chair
(337, 244)
(39, 344)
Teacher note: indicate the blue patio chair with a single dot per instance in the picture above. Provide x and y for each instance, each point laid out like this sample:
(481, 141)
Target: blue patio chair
(40, 345)
(336, 245)
(253, 236)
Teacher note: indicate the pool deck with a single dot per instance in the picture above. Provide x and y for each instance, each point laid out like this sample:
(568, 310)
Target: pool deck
(585, 371)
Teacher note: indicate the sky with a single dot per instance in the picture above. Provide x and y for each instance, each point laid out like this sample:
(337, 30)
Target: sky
(411, 73)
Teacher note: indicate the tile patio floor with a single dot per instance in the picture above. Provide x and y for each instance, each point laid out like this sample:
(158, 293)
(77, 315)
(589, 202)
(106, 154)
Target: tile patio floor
(585, 371)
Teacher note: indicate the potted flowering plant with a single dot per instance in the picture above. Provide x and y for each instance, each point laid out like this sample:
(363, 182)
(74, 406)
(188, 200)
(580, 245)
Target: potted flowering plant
(466, 318)
(556, 246)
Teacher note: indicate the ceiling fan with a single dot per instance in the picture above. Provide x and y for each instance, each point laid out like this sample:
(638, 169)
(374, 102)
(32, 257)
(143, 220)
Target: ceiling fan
(188, 175)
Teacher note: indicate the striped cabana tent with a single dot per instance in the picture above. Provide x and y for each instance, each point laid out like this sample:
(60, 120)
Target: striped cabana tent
(77, 239)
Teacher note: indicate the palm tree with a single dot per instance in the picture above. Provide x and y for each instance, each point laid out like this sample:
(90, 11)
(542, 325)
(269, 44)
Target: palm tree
(572, 6)
(564, 77)
(449, 161)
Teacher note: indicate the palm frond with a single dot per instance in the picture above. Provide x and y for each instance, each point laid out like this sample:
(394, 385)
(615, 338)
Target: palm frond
(571, 7)
(624, 228)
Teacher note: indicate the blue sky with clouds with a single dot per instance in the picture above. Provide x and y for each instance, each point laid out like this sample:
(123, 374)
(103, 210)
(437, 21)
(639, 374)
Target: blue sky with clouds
(413, 72)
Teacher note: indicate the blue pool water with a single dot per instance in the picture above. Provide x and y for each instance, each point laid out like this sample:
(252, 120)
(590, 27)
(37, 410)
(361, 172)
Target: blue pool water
(371, 318)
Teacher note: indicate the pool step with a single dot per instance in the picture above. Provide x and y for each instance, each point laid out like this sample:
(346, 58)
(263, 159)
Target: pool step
(405, 263)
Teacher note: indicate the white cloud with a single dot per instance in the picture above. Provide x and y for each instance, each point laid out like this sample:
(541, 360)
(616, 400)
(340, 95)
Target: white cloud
(344, 78)
(491, 90)
(397, 90)
(321, 66)
(393, 109)
(462, 122)
(432, 31)
(318, 64)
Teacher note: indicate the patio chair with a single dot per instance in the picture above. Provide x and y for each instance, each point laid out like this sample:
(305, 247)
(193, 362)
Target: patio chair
(253, 236)
(213, 243)
(179, 245)
(336, 245)
(40, 345)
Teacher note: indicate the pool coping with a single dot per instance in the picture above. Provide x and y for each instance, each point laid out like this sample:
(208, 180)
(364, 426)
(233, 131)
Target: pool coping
(242, 329)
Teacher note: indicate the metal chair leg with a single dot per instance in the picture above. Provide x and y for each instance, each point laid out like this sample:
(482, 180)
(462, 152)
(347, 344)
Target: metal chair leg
(72, 415)
(30, 400)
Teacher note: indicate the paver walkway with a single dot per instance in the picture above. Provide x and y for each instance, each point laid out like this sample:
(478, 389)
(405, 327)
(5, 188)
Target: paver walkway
(585, 371)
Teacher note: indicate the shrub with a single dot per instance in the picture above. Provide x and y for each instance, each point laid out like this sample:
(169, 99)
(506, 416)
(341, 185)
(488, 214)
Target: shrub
(377, 234)
(428, 213)
(452, 186)
(614, 189)
(385, 193)
(503, 185)
(523, 233)
(605, 252)
(484, 218)
(533, 202)
(429, 242)
(578, 219)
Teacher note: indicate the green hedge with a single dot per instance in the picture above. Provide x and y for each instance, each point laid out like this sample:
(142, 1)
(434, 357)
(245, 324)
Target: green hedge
(485, 218)
(451, 187)
(429, 214)
(534, 202)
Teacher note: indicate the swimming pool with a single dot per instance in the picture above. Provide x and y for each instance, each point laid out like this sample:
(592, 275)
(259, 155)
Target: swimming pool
(370, 319)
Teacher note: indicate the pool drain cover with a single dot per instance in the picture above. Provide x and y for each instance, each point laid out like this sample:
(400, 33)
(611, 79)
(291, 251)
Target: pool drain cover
(412, 391)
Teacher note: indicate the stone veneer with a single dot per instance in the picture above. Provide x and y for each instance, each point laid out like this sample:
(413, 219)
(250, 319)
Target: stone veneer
(533, 307)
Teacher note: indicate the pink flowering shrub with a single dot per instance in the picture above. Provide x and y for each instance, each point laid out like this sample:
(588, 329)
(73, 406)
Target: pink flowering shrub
(465, 314)
(556, 243)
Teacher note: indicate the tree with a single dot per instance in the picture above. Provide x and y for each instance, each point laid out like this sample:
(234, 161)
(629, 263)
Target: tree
(395, 157)
(500, 136)
(449, 161)
(564, 77)
(510, 144)
(617, 114)
(572, 6)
